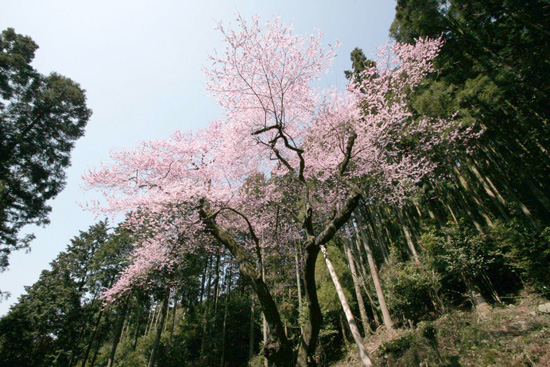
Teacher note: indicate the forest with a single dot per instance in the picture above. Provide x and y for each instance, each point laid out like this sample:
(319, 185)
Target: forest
(404, 221)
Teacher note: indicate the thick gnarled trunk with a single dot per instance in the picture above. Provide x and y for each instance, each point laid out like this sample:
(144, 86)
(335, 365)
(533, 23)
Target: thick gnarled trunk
(277, 347)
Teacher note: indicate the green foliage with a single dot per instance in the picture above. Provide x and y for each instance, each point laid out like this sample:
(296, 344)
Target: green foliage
(52, 323)
(411, 290)
(525, 252)
(512, 335)
(41, 117)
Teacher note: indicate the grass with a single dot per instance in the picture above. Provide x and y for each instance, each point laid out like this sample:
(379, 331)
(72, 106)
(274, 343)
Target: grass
(513, 335)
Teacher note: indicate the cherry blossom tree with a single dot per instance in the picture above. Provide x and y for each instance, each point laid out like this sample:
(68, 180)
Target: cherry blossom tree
(281, 150)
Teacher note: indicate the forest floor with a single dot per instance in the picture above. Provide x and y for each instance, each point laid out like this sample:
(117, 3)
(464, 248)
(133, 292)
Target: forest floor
(515, 334)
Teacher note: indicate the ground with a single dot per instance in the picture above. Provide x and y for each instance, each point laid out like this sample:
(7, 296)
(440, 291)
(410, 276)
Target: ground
(517, 333)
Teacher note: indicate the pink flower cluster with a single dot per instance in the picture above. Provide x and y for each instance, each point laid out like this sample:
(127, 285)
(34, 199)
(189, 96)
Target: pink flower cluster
(279, 145)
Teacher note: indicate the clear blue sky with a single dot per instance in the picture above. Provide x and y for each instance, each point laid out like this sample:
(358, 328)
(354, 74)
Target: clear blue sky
(141, 64)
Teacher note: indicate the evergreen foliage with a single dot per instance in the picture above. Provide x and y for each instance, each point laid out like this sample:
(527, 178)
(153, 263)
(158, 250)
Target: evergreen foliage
(41, 117)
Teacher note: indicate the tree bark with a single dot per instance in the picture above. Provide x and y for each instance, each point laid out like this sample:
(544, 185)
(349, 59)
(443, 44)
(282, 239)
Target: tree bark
(160, 326)
(118, 332)
(228, 290)
(347, 310)
(357, 288)
(298, 285)
(251, 332)
(481, 306)
(407, 235)
(92, 339)
(277, 348)
(206, 316)
(376, 280)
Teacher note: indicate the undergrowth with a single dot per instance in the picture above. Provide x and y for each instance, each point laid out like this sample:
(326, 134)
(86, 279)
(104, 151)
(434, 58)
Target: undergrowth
(513, 335)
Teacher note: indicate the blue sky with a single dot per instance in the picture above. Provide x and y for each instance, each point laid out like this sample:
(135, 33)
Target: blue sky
(141, 65)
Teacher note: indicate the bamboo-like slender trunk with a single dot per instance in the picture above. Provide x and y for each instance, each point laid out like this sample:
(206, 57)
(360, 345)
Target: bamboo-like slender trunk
(371, 217)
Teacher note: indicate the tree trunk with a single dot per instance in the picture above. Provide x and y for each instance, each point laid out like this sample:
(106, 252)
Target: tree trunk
(278, 349)
(298, 285)
(372, 222)
(312, 328)
(174, 314)
(358, 294)
(374, 274)
(251, 333)
(347, 310)
(265, 326)
(343, 328)
(407, 235)
(203, 278)
(92, 339)
(364, 277)
(118, 332)
(481, 306)
(206, 316)
(160, 326)
(228, 290)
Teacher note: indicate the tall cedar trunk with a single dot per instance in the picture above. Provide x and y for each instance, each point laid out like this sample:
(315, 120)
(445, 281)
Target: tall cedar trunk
(149, 323)
(174, 314)
(138, 328)
(343, 328)
(407, 234)
(203, 278)
(118, 332)
(357, 288)
(216, 284)
(364, 278)
(163, 312)
(473, 195)
(92, 339)
(501, 177)
(460, 181)
(499, 204)
(374, 227)
(228, 290)
(376, 280)
(154, 319)
(347, 310)
(451, 211)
